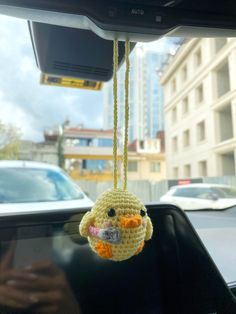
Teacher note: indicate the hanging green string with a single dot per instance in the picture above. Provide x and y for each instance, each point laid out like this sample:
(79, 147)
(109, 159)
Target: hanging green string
(115, 113)
(126, 135)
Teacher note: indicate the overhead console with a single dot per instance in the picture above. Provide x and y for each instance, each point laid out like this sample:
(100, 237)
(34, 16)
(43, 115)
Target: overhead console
(76, 53)
(138, 20)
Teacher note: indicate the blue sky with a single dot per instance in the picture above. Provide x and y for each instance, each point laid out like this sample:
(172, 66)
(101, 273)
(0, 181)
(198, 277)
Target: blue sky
(26, 104)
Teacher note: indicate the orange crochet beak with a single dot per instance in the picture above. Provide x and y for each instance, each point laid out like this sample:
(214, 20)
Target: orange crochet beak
(130, 222)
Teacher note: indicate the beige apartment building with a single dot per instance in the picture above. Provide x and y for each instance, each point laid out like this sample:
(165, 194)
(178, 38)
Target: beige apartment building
(146, 160)
(200, 107)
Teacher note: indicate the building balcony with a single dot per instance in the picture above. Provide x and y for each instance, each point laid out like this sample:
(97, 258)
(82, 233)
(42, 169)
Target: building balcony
(89, 152)
(225, 146)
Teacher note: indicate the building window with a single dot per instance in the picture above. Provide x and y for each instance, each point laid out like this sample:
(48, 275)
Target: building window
(199, 94)
(186, 138)
(219, 43)
(174, 144)
(173, 86)
(94, 165)
(185, 105)
(228, 164)
(155, 166)
(203, 168)
(132, 166)
(174, 115)
(225, 123)
(175, 172)
(184, 73)
(198, 57)
(141, 144)
(104, 142)
(187, 171)
(201, 131)
(222, 79)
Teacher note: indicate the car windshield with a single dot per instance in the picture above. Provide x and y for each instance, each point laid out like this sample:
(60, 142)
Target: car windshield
(182, 130)
(23, 185)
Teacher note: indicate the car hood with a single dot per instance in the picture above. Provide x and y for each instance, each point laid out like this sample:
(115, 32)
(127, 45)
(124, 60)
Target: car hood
(38, 207)
(217, 229)
(220, 243)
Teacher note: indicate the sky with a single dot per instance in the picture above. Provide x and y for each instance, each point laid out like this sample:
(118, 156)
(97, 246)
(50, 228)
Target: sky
(32, 107)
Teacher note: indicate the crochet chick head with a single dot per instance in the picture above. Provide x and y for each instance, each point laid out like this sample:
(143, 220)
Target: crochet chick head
(117, 225)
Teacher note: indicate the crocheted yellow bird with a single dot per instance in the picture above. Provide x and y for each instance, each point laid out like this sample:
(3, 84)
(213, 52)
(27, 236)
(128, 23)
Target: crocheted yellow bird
(117, 225)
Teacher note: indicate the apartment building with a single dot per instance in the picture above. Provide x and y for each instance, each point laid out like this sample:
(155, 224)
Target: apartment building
(200, 107)
(146, 160)
(88, 153)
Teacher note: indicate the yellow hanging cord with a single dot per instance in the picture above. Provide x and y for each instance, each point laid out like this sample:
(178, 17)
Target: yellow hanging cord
(126, 135)
(115, 117)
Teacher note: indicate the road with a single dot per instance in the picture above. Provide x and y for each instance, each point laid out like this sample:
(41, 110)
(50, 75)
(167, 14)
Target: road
(218, 233)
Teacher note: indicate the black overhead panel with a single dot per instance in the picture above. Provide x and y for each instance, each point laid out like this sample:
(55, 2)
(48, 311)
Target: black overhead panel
(138, 20)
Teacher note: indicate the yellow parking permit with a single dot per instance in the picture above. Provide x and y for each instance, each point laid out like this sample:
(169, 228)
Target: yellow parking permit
(60, 81)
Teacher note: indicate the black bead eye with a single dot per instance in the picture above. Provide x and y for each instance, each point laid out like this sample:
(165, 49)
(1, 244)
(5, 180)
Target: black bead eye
(111, 212)
(142, 212)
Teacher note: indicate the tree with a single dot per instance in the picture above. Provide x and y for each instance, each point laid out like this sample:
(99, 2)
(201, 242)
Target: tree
(9, 142)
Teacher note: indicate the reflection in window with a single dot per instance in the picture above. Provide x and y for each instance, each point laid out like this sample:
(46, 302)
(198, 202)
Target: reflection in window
(35, 185)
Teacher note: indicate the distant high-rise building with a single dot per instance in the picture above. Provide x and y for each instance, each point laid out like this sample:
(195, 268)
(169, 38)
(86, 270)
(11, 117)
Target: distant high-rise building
(146, 95)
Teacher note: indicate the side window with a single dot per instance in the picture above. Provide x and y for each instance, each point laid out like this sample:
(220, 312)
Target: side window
(184, 192)
(202, 193)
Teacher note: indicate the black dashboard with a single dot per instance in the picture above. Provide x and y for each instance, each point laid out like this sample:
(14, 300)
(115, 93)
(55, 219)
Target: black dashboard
(174, 274)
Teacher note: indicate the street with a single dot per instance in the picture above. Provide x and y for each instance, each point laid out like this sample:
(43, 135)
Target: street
(217, 230)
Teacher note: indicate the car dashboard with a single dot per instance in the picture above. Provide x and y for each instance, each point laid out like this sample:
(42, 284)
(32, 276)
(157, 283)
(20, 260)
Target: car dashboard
(174, 273)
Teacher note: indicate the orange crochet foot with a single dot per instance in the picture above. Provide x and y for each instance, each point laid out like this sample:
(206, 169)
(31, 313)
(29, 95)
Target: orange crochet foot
(104, 250)
(139, 250)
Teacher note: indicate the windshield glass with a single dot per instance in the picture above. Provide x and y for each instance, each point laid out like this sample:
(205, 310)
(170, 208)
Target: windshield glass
(35, 185)
(182, 130)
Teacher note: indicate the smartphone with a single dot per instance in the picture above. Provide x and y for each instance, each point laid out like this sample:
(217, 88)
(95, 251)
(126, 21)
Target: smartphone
(33, 245)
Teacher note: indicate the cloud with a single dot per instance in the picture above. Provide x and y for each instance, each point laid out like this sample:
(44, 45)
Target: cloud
(27, 104)
(163, 45)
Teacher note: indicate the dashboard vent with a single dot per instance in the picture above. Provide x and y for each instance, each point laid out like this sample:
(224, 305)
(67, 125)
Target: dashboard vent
(82, 69)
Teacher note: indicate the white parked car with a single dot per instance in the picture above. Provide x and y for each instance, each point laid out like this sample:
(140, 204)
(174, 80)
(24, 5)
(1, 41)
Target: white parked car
(201, 196)
(29, 187)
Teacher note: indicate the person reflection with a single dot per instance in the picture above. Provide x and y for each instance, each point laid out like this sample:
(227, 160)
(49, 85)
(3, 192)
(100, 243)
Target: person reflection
(39, 288)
